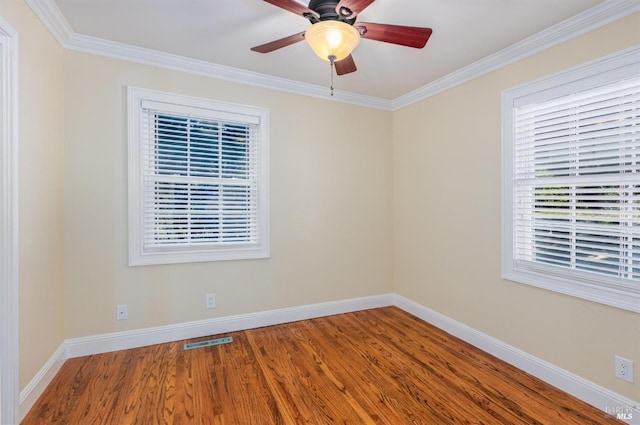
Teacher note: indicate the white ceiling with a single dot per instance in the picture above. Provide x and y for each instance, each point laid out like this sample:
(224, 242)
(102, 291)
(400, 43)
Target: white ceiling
(222, 32)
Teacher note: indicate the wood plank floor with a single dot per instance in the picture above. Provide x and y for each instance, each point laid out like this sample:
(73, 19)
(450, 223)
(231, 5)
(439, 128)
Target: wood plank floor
(380, 366)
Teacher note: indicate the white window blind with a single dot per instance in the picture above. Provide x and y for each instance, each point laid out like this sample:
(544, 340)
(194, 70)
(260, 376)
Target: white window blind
(200, 186)
(200, 181)
(577, 187)
(571, 181)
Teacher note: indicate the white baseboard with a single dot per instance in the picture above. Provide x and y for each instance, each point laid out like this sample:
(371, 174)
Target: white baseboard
(34, 389)
(587, 391)
(598, 396)
(104, 343)
(77, 347)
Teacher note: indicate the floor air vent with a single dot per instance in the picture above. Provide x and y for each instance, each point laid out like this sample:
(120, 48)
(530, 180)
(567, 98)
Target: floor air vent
(217, 341)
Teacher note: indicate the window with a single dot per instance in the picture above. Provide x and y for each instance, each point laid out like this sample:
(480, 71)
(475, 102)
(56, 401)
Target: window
(571, 183)
(198, 179)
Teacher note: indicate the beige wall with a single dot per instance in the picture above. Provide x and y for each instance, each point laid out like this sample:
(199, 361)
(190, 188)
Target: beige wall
(330, 205)
(339, 187)
(446, 199)
(40, 176)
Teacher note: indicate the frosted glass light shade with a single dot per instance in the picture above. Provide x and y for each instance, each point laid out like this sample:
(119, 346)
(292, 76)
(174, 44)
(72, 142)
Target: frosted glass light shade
(332, 38)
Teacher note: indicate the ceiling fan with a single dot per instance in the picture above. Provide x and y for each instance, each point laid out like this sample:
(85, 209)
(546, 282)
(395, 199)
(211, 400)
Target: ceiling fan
(334, 32)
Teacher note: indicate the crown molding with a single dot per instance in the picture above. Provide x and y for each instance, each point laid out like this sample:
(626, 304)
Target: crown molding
(156, 58)
(58, 26)
(587, 21)
(47, 11)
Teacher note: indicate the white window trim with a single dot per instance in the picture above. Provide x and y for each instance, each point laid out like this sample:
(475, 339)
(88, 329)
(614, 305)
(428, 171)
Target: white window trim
(9, 332)
(137, 255)
(599, 72)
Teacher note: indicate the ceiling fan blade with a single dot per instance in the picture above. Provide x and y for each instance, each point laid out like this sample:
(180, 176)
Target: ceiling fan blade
(356, 6)
(397, 34)
(293, 6)
(345, 66)
(279, 44)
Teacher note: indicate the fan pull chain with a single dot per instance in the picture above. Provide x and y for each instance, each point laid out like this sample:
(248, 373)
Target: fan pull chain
(332, 60)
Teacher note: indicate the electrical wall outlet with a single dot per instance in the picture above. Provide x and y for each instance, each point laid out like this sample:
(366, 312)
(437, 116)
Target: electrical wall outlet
(624, 369)
(211, 301)
(121, 312)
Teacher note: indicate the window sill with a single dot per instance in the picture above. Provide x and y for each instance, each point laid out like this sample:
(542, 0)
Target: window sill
(190, 256)
(625, 299)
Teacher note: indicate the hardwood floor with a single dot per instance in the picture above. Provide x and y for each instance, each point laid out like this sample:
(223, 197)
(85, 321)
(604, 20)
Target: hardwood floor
(379, 366)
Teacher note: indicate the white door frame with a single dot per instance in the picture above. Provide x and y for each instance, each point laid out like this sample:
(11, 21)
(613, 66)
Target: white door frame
(9, 386)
